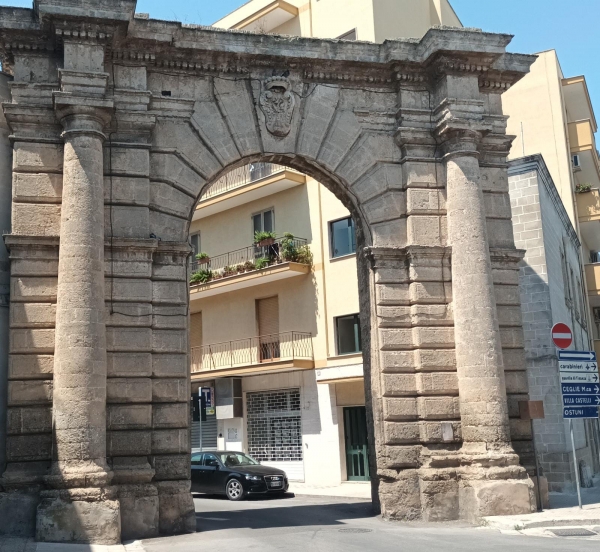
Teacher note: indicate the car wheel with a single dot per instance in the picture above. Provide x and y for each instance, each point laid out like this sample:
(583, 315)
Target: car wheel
(234, 490)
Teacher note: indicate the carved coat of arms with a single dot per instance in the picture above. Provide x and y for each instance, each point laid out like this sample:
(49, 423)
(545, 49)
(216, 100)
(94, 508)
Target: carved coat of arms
(277, 102)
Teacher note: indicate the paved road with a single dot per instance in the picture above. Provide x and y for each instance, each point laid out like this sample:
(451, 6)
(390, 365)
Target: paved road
(313, 524)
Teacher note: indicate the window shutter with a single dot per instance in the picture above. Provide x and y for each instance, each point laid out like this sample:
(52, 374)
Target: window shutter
(196, 330)
(268, 316)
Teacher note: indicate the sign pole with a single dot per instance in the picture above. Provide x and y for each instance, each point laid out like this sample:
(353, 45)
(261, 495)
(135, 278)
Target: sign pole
(575, 464)
(537, 470)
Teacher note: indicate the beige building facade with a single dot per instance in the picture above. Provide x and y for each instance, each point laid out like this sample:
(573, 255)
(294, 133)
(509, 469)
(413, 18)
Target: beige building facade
(119, 124)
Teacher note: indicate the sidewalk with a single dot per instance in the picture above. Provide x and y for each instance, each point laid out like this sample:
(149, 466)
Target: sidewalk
(348, 489)
(564, 514)
(8, 544)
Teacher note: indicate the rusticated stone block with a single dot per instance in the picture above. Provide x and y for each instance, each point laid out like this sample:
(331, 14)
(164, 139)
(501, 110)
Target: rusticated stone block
(128, 443)
(439, 499)
(169, 366)
(430, 293)
(18, 512)
(170, 441)
(390, 234)
(166, 198)
(397, 385)
(169, 341)
(426, 202)
(29, 448)
(514, 359)
(438, 408)
(500, 233)
(396, 339)
(177, 512)
(170, 390)
(128, 290)
(509, 316)
(396, 409)
(516, 382)
(33, 290)
(432, 338)
(512, 338)
(137, 340)
(170, 415)
(30, 366)
(392, 294)
(32, 315)
(37, 157)
(139, 511)
(431, 315)
(399, 457)
(38, 341)
(127, 417)
(507, 295)
(388, 206)
(127, 190)
(427, 230)
(37, 188)
(421, 174)
(32, 219)
(437, 383)
(129, 365)
(29, 420)
(127, 161)
(397, 361)
(29, 392)
(434, 360)
(129, 390)
(432, 432)
(128, 315)
(397, 433)
(394, 317)
(172, 466)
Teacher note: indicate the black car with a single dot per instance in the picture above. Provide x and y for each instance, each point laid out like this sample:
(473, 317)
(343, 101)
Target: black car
(234, 474)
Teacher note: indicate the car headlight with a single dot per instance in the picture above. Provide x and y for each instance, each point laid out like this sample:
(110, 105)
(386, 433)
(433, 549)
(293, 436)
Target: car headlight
(254, 477)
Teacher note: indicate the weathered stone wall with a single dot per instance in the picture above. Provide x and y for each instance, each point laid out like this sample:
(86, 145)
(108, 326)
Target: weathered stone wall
(542, 228)
(142, 115)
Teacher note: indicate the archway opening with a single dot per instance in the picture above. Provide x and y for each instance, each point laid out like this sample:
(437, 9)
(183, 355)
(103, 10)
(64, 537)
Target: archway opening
(280, 328)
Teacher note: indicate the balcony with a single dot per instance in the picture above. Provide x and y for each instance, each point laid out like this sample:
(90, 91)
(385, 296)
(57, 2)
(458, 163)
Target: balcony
(284, 351)
(246, 184)
(588, 205)
(254, 265)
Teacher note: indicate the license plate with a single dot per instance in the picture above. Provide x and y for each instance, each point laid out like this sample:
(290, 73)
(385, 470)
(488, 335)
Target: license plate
(276, 483)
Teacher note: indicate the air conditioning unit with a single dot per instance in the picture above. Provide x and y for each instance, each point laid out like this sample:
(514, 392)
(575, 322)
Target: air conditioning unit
(576, 160)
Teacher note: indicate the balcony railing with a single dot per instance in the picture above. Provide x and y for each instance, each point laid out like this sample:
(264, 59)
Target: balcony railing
(253, 351)
(242, 176)
(254, 257)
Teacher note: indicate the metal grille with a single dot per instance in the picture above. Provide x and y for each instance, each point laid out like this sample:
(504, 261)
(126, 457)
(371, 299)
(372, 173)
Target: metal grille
(275, 426)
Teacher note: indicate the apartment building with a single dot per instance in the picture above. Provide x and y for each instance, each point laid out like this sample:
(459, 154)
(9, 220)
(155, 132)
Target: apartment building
(275, 333)
(275, 336)
(553, 120)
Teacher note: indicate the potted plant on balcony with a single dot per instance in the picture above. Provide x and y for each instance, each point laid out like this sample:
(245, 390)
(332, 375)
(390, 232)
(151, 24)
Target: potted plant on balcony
(202, 258)
(264, 239)
(583, 188)
(229, 271)
(202, 276)
(262, 262)
(248, 266)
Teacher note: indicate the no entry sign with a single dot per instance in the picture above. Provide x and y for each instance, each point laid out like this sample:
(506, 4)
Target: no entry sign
(562, 336)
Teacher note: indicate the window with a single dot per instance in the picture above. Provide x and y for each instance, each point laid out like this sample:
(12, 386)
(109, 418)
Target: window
(350, 35)
(343, 237)
(347, 330)
(263, 222)
(197, 459)
(195, 242)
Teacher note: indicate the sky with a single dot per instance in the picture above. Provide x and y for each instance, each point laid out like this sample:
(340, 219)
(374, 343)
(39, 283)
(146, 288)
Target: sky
(570, 27)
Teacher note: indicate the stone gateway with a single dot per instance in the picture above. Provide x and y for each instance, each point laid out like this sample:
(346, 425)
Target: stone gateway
(118, 124)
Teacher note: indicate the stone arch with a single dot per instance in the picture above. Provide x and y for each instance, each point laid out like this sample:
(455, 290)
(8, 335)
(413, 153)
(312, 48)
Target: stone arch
(118, 125)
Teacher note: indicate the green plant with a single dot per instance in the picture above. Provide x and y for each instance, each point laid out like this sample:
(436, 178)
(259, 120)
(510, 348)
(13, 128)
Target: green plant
(304, 255)
(261, 236)
(202, 256)
(261, 263)
(288, 247)
(230, 270)
(583, 188)
(248, 266)
(201, 276)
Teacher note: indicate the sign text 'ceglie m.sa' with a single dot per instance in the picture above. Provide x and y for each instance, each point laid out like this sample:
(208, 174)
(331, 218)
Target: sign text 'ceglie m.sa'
(580, 384)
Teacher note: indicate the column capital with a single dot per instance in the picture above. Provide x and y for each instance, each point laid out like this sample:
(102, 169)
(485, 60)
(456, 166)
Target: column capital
(82, 115)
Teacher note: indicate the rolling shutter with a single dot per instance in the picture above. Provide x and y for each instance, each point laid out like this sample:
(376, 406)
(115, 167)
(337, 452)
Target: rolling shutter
(268, 316)
(196, 330)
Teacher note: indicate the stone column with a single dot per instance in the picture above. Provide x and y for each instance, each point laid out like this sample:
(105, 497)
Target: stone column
(81, 497)
(482, 389)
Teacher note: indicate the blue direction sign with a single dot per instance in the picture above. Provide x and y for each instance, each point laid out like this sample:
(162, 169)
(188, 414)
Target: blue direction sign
(588, 356)
(580, 389)
(571, 412)
(581, 400)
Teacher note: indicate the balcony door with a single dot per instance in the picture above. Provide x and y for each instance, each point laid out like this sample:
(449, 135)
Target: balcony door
(267, 314)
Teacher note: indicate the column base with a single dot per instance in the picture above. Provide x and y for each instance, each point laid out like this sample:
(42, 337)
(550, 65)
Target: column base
(139, 511)
(86, 516)
(176, 508)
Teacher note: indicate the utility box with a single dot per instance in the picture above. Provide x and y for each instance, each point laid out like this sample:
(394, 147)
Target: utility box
(228, 393)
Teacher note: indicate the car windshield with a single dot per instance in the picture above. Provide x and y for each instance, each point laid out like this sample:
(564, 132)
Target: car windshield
(231, 459)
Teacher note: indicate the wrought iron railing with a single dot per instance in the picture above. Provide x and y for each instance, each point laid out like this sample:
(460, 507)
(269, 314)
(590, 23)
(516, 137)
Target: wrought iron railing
(242, 176)
(245, 259)
(285, 346)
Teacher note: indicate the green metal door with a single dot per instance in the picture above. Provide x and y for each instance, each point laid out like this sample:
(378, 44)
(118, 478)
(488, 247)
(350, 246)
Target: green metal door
(357, 456)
